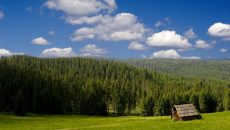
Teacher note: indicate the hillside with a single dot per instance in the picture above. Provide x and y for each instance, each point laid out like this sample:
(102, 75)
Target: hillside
(89, 86)
(217, 69)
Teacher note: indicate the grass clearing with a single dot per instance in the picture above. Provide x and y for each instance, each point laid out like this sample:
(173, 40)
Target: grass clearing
(213, 121)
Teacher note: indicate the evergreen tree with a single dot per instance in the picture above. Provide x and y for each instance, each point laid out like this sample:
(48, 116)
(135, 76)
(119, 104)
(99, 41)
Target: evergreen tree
(92, 86)
(20, 104)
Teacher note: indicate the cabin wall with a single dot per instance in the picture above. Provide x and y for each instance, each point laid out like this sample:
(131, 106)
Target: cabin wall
(176, 117)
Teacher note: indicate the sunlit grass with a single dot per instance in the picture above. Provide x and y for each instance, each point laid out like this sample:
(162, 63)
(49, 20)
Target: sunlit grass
(213, 121)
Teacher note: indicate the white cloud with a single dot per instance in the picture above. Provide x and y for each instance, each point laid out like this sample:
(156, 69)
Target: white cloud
(203, 44)
(166, 54)
(58, 52)
(52, 33)
(1, 15)
(40, 41)
(92, 50)
(223, 50)
(170, 54)
(190, 34)
(182, 50)
(82, 11)
(81, 7)
(123, 26)
(125, 35)
(168, 38)
(84, 19)
(111, 3)
(220, 30)
(136, 46)
(89, 50)
(192, 58)
(165, 21)
(4, 52)
(83, 33)
(96, 13)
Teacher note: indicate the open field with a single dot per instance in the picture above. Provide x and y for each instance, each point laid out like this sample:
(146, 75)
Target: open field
(213, 121)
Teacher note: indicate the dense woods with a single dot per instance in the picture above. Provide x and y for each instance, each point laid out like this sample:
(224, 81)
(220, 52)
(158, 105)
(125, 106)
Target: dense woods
(99, 87)
(216, 69)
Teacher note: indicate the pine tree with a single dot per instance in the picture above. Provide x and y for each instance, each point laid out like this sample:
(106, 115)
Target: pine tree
(20, 104)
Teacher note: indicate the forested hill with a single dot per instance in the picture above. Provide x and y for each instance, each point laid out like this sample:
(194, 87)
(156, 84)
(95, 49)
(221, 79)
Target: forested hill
(70, 85)
(98, 87)
(217, 69)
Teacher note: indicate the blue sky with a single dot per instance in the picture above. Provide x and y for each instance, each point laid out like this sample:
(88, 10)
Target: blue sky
(179, 29)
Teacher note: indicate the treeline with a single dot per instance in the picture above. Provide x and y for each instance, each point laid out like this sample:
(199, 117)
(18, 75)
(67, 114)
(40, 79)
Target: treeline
(216, 69)
(98, 87)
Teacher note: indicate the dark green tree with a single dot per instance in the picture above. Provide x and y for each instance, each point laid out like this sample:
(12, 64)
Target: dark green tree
(20, 104)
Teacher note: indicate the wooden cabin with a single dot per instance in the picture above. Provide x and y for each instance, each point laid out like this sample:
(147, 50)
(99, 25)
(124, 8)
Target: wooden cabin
(184, 112)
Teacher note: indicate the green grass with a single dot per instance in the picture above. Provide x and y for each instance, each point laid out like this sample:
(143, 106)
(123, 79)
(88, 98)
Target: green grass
(213, 121)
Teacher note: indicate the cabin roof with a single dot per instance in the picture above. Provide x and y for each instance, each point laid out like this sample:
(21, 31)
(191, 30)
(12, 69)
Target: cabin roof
(186, 110)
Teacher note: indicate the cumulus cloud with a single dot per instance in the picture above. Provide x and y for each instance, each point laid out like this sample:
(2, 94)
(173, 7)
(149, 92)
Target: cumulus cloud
(88, 51)
(166, 54)
(40, 41)
(1, 15)
(4, 52)
(136, 46)
(124, 35)
(170, 54)
(220, 30)
(92, 50)
(112, 3)
(223, 50)
(101, 25)
(203, 44)
(190, 34)
(192, 58)
(81, 7)
(123, 26)
(84, 20)
(168, 38)
(83, 33)
(58, 52)
(82, 11)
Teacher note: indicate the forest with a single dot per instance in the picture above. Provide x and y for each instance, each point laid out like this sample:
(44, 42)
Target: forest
(94, 86)
(216, 69)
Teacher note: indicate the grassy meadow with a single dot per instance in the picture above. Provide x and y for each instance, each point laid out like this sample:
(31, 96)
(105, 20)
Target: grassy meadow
(213, 121)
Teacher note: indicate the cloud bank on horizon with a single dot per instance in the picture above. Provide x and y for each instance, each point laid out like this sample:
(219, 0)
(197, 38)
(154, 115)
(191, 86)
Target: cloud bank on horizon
(102, 21)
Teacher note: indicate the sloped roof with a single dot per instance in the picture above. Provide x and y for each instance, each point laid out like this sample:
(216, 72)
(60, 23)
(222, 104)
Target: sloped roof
(185, 110)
